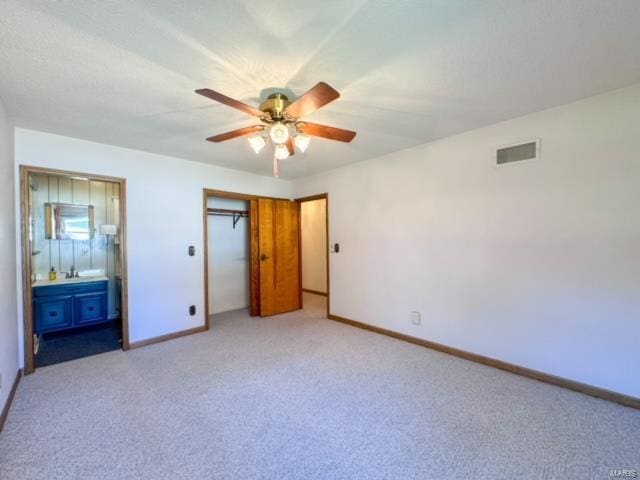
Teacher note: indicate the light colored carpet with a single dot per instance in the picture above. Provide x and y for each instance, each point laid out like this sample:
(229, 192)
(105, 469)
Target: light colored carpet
(300, 397)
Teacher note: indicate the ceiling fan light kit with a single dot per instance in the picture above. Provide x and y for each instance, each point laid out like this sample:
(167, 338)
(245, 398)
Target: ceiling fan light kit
(279, 133)
(257, 143)
(278, 115)
(302, 141)
(281, 152)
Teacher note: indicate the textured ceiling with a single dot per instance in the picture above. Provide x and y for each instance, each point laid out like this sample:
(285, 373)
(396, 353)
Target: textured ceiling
(124, 72)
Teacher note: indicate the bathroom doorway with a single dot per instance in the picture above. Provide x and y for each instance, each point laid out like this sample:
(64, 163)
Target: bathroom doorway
(73, 265)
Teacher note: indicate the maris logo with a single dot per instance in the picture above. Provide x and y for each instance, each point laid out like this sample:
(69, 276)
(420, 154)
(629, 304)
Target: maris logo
(624, 473)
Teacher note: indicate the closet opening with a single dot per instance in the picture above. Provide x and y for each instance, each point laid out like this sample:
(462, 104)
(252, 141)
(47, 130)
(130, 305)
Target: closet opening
(229, 255)
(251, 254)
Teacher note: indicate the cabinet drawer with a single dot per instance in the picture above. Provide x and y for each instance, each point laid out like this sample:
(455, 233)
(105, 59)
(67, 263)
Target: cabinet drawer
(90, 308)
(53, 313)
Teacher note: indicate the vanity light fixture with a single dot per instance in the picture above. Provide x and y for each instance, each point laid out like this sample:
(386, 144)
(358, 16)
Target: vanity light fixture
(108, 229)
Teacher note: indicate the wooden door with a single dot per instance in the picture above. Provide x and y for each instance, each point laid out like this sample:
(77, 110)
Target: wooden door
(279, 261)
(254, 285)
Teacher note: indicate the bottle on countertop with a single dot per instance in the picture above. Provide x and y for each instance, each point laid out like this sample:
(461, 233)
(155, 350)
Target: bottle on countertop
(52, 274)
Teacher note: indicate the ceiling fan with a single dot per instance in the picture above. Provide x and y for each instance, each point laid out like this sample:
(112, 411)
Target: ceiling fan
(280, 119)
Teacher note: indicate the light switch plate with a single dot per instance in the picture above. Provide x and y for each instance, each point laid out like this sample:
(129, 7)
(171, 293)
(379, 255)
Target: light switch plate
(415, 318)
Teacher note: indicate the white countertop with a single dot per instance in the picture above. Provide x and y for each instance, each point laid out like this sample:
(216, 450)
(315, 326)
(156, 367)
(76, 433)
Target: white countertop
(62, 281)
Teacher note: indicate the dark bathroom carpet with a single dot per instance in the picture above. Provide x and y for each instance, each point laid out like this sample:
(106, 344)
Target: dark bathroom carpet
(64, 346)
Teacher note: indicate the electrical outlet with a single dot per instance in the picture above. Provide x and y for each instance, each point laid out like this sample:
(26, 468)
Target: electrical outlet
(192, 310)
(415, 318)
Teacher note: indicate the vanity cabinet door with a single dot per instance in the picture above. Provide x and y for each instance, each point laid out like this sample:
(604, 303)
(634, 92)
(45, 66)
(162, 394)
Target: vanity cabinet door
(90, 308)
(53, 313)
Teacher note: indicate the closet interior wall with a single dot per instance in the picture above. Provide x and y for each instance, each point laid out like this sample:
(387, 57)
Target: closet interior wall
(228, 255)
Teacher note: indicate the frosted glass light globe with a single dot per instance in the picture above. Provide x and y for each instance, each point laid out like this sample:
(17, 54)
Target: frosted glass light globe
(281, 152)
(302, 141)
(257, 143)
(279, 133)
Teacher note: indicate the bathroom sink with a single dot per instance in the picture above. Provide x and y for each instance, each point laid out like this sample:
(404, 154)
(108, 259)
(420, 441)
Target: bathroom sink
(62, 280)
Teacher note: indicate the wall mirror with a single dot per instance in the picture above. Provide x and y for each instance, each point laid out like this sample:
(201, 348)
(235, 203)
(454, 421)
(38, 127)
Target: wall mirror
(64, 221)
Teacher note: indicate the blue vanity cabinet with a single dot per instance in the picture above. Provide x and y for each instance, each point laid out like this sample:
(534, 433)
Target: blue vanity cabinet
(53, 313)
(90, 308)
(62, 306)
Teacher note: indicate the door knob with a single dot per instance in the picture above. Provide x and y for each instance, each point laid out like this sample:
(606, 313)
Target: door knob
(263, 257)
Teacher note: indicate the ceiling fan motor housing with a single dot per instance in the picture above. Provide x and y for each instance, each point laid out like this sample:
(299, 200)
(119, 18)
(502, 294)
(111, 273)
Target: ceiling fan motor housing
(274, 105)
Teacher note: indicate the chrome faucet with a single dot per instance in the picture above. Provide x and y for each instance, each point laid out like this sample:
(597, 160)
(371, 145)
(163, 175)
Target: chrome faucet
(72, 273)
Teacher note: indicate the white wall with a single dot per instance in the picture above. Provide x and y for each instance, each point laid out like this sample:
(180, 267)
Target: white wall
(228, 258)
(8, 299)
(313, 220)
(164, 217)
(537, 264)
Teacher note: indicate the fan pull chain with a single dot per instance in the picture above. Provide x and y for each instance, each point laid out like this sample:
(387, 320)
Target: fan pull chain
(276, 167)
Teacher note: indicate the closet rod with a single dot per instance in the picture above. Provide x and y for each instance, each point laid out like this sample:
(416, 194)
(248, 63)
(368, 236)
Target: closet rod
(224, 212)
(214, 211)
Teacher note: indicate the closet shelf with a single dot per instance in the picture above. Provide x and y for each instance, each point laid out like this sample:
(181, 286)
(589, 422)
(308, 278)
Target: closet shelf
(224, 212)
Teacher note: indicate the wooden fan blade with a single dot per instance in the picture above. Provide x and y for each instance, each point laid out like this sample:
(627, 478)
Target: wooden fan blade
(292, 151)
(324, 131)
(312, 100)
(219, 97)
(236, 133)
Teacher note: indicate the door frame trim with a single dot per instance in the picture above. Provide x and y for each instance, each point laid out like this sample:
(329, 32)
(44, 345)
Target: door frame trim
(300, 201)
(254, 281)
(27, 294)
